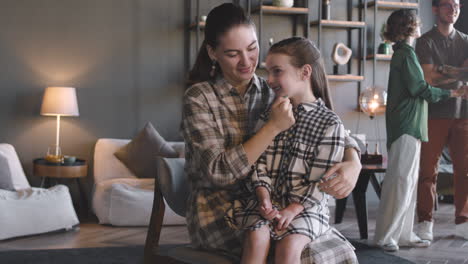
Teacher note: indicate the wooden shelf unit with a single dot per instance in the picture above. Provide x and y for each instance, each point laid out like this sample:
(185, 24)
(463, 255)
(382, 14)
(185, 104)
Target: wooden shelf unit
(339, 23)
(194, 25)
(274, 10)
(345, 78)
(392, 5)
(382, 57)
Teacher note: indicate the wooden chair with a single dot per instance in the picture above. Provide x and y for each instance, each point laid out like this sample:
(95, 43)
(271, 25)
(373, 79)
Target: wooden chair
(171, 185)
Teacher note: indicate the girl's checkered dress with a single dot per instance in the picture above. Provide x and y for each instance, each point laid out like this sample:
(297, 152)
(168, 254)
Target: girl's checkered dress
(290, 169)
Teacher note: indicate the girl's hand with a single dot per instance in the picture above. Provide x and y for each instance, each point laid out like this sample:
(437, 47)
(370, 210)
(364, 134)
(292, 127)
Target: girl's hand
(286, 215)
(340, 179)
(266, 209)
(282, 116)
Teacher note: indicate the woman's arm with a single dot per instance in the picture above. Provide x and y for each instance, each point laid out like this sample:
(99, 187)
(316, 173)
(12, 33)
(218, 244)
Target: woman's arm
(205, 139)
(281, 118)
(340, 179)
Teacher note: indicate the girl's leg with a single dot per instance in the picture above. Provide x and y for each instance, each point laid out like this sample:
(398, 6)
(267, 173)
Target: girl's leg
(256, 246)
(288, 250)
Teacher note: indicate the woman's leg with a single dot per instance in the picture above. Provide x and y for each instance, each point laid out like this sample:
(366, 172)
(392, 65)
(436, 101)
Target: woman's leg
(398, 192)
(256, 246)
(288, 250)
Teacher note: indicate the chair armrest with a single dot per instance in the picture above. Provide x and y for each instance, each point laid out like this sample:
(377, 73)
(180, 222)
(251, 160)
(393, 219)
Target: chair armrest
(173, 183)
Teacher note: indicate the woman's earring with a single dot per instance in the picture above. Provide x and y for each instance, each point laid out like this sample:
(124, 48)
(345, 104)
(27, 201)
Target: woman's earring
(213, 68)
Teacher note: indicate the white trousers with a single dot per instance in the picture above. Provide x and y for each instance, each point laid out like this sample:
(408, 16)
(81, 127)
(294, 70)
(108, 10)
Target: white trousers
(395, 217)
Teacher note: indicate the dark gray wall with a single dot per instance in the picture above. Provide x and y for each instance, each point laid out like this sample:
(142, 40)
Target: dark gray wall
(126, 59)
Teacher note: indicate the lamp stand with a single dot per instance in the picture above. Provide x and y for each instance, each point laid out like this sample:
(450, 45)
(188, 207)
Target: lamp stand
(57, 138)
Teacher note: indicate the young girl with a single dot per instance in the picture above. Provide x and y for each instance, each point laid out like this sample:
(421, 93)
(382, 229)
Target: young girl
(288, 207)
(406, 123)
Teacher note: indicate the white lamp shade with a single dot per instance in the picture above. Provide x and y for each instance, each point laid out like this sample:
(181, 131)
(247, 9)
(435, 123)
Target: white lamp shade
(60, 101)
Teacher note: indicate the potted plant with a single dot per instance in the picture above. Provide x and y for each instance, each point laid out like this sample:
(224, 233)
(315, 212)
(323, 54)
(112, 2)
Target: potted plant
(385, 47)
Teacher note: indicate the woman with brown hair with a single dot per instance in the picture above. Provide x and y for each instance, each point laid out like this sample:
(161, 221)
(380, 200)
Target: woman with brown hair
(406, 124)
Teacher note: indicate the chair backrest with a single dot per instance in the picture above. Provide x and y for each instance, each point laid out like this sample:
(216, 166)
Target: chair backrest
(12, 175)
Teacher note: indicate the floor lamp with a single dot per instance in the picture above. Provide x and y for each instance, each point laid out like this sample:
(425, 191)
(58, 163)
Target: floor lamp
(58, 101)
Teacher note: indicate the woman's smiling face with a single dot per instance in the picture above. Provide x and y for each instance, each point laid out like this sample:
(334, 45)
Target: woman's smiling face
(237, 54)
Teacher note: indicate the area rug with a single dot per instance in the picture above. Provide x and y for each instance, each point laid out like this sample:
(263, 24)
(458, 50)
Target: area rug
(134, 255)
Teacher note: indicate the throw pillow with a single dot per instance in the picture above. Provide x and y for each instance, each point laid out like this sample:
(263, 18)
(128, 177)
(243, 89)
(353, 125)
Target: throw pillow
(140, 153)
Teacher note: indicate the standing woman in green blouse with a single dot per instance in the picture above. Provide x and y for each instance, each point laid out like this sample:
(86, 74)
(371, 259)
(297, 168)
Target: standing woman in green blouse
(220, 111)
(406, 122)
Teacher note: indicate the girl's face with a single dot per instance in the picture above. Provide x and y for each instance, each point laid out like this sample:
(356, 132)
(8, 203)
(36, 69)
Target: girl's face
(284, 78)
(237, 54)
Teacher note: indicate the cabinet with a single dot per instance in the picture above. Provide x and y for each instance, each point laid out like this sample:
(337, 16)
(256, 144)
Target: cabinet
(378, 8)
(299, 14)
(324, 21)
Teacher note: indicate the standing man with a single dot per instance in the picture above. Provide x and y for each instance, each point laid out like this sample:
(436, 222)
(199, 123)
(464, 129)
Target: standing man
(448, 123)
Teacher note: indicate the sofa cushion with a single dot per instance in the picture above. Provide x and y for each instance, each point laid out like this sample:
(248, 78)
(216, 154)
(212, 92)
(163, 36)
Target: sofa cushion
(12, 176)
(36, 210)
(140, 153)
(128, 202)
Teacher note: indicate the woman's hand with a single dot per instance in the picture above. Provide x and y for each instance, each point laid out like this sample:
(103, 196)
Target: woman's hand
(286, 215)
(266, 209)
(340, 179)
(281, 116)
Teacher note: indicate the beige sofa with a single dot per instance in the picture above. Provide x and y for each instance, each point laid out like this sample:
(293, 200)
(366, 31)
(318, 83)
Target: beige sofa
(119, 197)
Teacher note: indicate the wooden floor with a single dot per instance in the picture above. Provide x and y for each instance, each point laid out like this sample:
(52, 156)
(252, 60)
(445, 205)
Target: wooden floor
(446, 248)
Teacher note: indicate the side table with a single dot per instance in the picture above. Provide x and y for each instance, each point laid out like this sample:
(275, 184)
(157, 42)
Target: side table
(359, 196)
(76, 170)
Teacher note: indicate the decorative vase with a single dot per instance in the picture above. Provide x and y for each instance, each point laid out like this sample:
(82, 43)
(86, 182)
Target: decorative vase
(283, 3)
(384, 48)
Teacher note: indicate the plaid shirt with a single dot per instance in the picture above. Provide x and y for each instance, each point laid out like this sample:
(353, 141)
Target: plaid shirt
(216, 121)
(291, 167)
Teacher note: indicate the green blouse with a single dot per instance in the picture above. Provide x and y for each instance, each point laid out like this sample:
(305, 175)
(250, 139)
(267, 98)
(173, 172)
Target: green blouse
(408, 95)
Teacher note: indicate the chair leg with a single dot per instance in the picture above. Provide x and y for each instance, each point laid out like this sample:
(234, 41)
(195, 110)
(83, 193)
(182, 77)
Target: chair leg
(339, 210)
(154, 229)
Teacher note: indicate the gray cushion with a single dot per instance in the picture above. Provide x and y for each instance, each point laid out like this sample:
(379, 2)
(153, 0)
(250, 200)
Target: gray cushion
(173, 183)
(6, 182)
(139, 154)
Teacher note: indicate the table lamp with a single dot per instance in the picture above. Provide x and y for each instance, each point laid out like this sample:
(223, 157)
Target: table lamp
(58, 101)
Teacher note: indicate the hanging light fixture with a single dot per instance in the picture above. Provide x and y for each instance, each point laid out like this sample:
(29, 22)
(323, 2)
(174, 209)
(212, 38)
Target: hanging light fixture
(373, 101)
